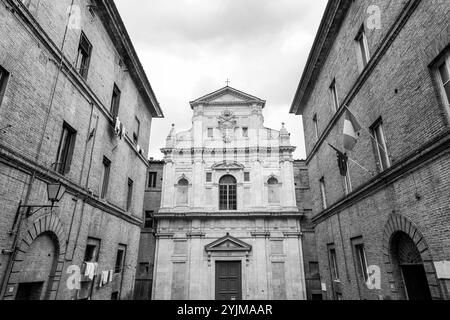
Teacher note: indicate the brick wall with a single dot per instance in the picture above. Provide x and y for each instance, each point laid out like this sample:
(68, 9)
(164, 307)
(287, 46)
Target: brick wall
(400, 88)
(28, 56)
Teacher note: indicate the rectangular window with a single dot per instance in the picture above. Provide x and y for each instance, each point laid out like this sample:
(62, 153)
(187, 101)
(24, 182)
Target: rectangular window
(334, 96)
(323, 193)
(228, 197)
(115, 295)
(316, 127)
(130, 194)
(333, 264)
(120, 258)
(380, 145)
(152, 179)
(210, 133)
(92, 251)
(137, 129)
(246, 176)
(105, 177)
(209, 177)
(245, 132)
(363, 46)
(361, 261)
(115, 101)
(65, 149)
(149, 220)
(84, 56)
(444, 72)
(4, 75)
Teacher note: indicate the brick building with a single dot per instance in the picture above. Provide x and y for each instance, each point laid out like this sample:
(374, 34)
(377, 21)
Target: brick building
(146, 256)
(304, 204)
(75, 107)
(382, 229)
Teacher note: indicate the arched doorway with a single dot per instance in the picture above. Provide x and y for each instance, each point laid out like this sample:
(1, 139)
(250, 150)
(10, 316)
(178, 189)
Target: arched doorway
(38, 268)
(408, 268)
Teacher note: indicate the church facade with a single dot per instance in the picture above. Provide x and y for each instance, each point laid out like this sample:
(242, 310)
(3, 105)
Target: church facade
(228, 227)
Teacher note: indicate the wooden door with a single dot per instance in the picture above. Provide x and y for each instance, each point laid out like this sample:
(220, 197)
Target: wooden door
(228, 280)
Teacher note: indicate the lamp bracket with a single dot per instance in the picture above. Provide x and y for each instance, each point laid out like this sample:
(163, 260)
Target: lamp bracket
(33, 209)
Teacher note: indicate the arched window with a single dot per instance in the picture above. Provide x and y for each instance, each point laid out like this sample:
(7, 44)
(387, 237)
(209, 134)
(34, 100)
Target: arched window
(228, 193)
(274, 188)
(182, 192)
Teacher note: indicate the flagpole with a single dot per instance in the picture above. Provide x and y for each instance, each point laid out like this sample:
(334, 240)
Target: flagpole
(370, 133)
(365, 169)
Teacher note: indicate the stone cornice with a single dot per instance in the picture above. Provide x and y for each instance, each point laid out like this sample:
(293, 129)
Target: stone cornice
(189, 151)
(260, 234)
(114, 25)
(335, 13)
(248, 99)
(435, 149)
(292, 234)
(228, 214)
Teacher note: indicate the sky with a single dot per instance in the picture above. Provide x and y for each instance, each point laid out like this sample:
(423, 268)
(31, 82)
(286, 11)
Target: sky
(189, 48)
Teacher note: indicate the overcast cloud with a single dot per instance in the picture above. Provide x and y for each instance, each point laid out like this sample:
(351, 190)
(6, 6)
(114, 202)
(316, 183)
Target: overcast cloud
(190, 47)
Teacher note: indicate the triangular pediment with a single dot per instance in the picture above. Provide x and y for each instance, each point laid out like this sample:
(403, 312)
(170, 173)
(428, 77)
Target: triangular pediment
(227, 95)
(228, 243)
(228, 166)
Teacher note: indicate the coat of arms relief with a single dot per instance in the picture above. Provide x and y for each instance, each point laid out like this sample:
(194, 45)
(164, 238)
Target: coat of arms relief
(227, 125)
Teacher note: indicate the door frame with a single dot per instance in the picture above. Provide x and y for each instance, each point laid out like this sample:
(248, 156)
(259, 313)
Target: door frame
(240, 293)
(212, 276)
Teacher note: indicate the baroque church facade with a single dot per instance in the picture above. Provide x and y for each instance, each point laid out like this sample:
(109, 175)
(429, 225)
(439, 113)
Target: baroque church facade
(228, 227)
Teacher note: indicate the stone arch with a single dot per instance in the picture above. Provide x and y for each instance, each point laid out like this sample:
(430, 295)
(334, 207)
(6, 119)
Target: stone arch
(400, 228)
(47, 225)
(181, 178)
(271, 177)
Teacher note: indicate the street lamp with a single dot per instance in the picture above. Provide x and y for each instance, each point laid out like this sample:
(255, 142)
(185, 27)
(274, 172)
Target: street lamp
(55, 192)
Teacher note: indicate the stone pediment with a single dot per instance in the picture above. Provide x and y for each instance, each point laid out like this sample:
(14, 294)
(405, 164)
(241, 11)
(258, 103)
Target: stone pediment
(228, 96)
(228, 243)
(227, 166)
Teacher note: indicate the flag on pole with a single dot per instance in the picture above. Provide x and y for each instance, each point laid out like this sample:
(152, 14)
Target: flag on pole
(351, 130)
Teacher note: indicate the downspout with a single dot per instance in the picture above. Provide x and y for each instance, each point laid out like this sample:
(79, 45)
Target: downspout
(83, 206)
(86, 186)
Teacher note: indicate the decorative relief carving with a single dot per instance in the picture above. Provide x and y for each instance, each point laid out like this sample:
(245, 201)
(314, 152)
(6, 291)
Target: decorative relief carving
(227, 125)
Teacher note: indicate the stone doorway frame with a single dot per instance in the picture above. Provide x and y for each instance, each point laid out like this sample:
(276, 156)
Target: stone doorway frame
(398, 223)
(50, 225)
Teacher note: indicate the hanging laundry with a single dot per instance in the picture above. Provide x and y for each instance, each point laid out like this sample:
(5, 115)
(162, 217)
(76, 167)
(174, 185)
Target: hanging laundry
(111, 275)
(90, 270)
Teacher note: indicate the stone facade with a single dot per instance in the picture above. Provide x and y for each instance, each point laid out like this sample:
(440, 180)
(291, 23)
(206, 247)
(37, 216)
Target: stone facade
(147, 244)
(45, 98)
(392, 212)
(228, 216)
